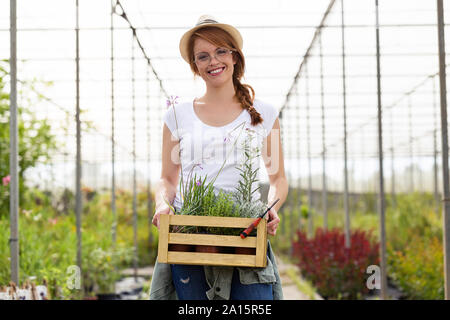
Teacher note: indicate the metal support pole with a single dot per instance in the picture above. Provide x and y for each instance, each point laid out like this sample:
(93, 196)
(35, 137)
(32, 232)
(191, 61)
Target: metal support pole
(291, 173)
(363, 186)
(393, 195)
(113, 151)
(381, 198)
(443, 96)
(324, 148)
(290, 154)
(344, 96)
(78, 195)
(13, 155)
(299, 156)
(284, 136)
(149, 161)
(291, 211)
(308, 138)
(133, 99)
(435, 151)
(298, 185)
(411, 141)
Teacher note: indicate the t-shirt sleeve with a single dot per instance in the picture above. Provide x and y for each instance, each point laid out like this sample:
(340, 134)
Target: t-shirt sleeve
(269, 115)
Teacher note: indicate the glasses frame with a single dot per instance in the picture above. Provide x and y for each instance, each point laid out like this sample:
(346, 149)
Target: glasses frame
(209, 56)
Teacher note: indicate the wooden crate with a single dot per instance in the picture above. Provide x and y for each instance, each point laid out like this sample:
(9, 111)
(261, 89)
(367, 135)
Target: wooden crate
(259, 259)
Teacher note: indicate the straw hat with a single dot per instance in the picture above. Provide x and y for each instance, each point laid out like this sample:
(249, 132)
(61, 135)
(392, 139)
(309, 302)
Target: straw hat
(207, 21)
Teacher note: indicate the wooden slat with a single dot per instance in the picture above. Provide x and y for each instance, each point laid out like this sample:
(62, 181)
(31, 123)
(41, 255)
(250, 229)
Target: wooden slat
(214, 240)
(265, 247)
(212, 259)
(205, 221)
(163, 244)
(261, 244)
(215, 259)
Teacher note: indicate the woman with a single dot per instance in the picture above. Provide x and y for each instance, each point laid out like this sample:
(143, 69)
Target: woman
(213, 51)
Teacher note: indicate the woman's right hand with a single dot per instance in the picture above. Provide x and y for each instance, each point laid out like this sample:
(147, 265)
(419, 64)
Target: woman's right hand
(161, 210)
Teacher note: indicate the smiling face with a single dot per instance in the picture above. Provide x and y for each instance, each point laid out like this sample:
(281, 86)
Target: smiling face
(215, 72)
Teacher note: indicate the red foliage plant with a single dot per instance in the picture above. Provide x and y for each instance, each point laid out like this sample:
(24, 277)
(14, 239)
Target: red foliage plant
(336, 271)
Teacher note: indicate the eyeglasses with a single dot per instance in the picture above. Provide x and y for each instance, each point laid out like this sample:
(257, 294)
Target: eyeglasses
(220, 54)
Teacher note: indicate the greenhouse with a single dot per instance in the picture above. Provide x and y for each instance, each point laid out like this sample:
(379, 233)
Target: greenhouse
(352, 197)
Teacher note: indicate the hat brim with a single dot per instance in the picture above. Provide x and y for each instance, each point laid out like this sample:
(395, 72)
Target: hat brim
(226, 27)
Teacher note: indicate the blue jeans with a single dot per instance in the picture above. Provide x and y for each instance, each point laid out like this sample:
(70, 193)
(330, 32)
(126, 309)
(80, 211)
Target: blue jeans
(190, 284)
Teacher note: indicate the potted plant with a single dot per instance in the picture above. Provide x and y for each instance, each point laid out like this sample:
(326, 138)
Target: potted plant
(104, 268)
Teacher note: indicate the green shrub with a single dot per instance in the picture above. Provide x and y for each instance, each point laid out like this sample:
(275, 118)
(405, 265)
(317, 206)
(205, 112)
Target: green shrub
(413, 217)
(48, 243)
(418, 268)
(36, 141)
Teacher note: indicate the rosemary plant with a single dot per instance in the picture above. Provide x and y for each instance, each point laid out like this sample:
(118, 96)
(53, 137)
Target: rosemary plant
(248, 175)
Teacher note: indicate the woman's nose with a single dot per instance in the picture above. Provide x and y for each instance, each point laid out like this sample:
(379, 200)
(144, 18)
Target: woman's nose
(211, 58)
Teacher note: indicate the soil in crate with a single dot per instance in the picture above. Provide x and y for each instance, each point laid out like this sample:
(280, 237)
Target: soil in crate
(229, 250)
(209, 249)
(181, 247)
(241, 250)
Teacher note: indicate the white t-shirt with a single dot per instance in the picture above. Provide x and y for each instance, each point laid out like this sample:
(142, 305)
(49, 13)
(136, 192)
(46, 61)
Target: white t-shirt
(204, 148)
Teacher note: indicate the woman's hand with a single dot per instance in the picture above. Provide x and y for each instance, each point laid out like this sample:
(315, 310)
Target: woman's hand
(164, 209)
(273, 220)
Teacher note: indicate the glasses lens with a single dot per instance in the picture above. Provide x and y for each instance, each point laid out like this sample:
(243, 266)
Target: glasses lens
(222, 52)
(202, 58)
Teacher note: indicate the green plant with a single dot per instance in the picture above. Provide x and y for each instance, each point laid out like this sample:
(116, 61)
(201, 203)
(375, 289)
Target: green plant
(249, 177)
(48, 242)
(305, 211)
(413, 216)
(36, 141)
(418, 269)
(412, 219)
(201, 199)
(103, 267)
(243, 195)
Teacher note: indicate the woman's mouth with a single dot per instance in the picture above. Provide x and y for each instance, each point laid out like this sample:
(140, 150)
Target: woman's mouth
(216, 72)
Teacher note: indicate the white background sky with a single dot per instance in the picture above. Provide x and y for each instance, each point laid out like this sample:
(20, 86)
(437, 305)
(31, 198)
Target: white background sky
(46, 41)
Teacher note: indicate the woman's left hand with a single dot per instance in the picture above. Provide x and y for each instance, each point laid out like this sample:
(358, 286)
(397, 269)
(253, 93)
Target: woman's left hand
(273, 221)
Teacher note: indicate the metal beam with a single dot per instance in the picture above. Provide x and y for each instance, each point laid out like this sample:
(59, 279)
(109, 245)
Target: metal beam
(14, 152)
(443, 98)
